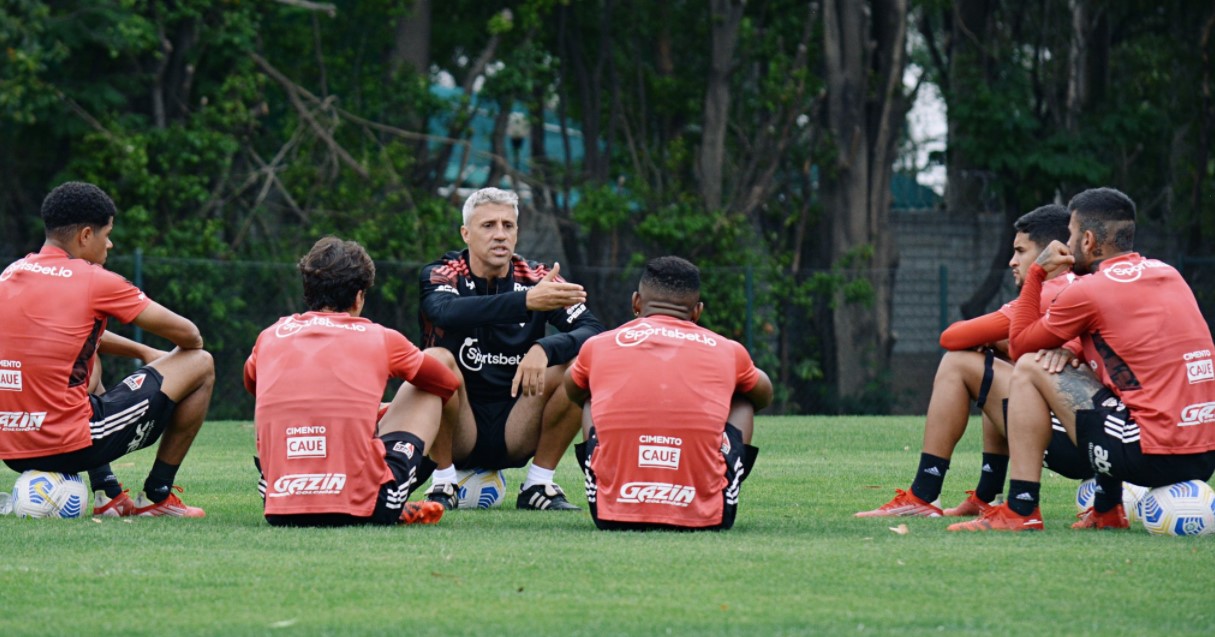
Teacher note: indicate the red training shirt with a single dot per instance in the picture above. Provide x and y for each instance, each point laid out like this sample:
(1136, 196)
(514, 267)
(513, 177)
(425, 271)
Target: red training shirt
(1147, 341)
(53, 310)
(318, 378)
(660, 395)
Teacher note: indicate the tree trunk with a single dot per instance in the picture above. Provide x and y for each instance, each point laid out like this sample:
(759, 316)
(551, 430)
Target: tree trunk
(865, 54)
(724, 18)
(411, 46)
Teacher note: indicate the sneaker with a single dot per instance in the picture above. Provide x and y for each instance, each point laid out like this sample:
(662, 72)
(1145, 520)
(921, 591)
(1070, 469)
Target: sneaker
(171, 506)
(973, 505)
(425, 512)
(444, 493)
(547, 497)
(904, 504)
(1002, 518)
(120, 506)
(1115, 518)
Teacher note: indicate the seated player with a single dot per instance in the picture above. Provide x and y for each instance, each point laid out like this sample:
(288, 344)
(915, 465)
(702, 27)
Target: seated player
(318, 378)
(672, 408)
(971, 371)
(493, 310)
(54, 306)
(1140, 409)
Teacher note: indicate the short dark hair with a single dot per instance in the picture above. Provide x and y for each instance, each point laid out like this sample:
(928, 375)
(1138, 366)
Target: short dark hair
(74, 204)
(334, 272)
(1045, 224)
(671, 276)
(1109, 214)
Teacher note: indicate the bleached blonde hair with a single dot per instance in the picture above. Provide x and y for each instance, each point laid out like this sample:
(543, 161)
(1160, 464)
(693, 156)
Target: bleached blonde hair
(490, 196)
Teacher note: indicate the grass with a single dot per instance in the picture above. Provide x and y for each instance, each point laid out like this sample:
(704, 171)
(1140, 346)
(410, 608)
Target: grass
(796, 562)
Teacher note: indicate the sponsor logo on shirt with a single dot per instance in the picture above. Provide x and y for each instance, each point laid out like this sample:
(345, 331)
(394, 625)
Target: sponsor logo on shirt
(1198, 366)
(640, 332)
(36, 268)
(473, 359)
(21, 420)
(519, 287)
(307, 446)
(306, 430)
(308, 484)
(1197, 414)
(1130, 272)
(659, 457)
(660, 440)
(657, 493)
(447, 288)
(10, 380)
(134, 381)
(574, 311)
(290, 327)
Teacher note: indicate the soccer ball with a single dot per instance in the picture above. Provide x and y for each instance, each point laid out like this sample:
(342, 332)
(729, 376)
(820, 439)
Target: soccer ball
(1131, 494)
(42, 494)
(1184, 508)
(480, 488)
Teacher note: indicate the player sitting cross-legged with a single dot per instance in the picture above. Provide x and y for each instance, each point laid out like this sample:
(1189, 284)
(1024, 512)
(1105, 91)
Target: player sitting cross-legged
(972, 371)
(326, 457)
(671, 411)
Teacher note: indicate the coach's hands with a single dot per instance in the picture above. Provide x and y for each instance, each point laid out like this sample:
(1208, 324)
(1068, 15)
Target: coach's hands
(529, 376)
(551, 294)
(1055, 256)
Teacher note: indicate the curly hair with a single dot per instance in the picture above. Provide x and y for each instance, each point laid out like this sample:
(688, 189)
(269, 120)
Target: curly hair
(672, 276)
(334, 272)
(74, 204)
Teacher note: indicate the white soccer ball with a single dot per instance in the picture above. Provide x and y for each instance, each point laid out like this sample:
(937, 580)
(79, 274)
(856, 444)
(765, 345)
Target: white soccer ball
(42, 494)
(480, 488)
(1131, 494)
(1184, 508)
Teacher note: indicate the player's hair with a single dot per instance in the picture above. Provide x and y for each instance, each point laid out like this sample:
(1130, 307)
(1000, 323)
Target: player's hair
(673, 277)
(334, 272)
(1045, 224)
(75, 204)
(1109, 214)
(490, 196)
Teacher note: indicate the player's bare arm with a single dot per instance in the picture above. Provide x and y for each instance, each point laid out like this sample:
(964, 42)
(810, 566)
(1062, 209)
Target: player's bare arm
(577, 395)
(761, 394)
(550, 294)
(529, 376)
(115, 345)
(170, 325)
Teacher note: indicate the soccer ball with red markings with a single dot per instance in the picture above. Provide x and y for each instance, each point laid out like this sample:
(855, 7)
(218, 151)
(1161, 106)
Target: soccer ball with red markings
(1184, 508)
(480, 488)
(42, 494)
(1131, 495)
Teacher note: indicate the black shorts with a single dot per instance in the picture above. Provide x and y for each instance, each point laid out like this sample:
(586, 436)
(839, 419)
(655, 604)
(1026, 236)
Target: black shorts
(1110, 438)
(401, 459)
(740, 459)
(130, 416)
(489, 452)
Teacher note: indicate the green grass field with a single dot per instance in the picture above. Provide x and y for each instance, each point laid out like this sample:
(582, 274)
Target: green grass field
(796, 562)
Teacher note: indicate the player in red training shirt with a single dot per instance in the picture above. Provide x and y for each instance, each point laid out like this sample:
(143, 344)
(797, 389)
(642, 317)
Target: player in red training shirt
(672, 408)
(54, 306)
(1142, 408)
(971, 370)
(326, 456)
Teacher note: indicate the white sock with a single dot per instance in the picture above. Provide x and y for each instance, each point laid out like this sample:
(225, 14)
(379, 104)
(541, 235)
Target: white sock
(537, 475)
(441, 476)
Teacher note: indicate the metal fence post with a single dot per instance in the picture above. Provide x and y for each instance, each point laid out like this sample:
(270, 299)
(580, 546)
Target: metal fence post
(943, 295)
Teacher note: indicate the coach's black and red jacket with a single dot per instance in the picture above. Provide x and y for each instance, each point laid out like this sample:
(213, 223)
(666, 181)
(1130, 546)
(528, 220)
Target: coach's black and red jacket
(490, 332)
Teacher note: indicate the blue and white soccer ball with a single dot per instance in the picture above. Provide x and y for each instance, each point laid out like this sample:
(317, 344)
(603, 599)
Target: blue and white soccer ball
(42, 494)
(480, 488)
(1184, 508)
(1131, 495)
